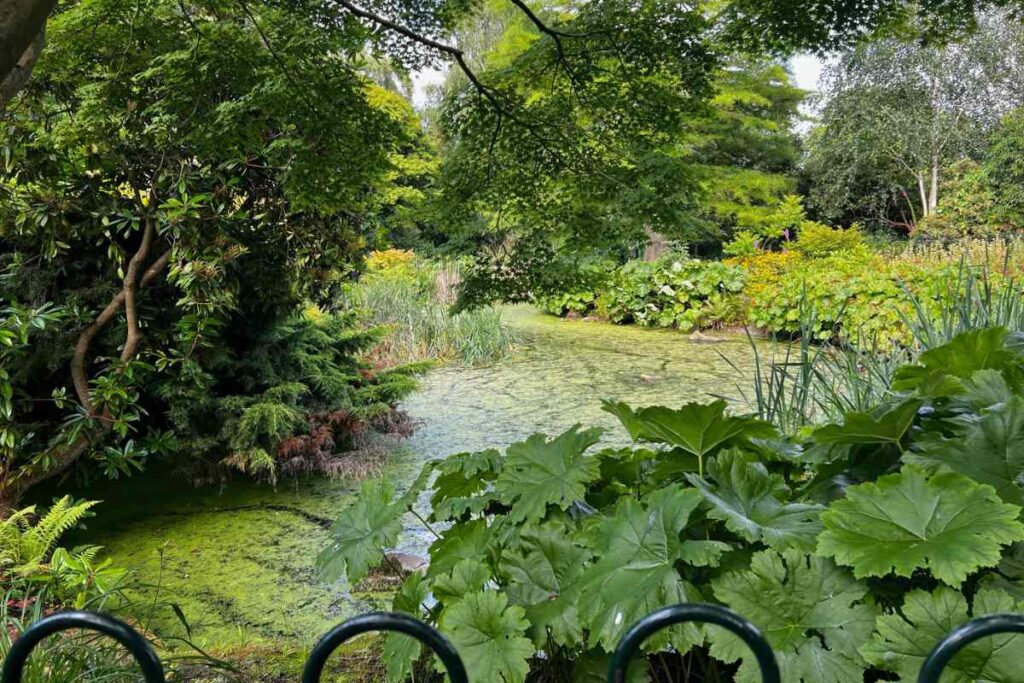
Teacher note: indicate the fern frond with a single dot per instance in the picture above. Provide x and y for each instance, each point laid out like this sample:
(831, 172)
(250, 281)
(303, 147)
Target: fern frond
(41, 539)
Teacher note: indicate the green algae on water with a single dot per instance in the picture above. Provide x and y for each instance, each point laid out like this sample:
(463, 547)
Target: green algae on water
(240, 562)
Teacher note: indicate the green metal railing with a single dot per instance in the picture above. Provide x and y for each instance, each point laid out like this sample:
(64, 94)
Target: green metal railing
(153, 672)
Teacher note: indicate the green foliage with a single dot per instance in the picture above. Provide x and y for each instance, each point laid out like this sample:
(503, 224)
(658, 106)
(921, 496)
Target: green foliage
(33, 565)
(904, 522)
(537, 473)
(995, 440)
(637, 546)
(697, 429)
(850, 294)
(754, 503)
(901, 123)
(903, 641)
(204, 171)
(1005, 169)
(830, 540)
(555, 170)
(297, 399)
(27, 544)
(815, 240)
(811, 611)
(967, 206)
(674, 291)
(69, 659)
(490, 636)
(413, 300)
(370, 523)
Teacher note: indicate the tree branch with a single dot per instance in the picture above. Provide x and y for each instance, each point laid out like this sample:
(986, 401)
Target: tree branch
(131, 285)
(78, 360)
(21, 22)
(455, 53)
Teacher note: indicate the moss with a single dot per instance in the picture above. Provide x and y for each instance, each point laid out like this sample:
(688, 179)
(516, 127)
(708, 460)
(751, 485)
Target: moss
(353, 662)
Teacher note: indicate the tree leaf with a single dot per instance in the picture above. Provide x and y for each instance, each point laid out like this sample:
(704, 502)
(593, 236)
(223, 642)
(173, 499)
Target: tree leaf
(808, 610)
(889, 427)
(489, 636)
(903, 641)
(750, 502)
(538, 472)
(948, 524)
(995, 444)
(543, 576)
(638, 547)
(696, 428)
(361, 533)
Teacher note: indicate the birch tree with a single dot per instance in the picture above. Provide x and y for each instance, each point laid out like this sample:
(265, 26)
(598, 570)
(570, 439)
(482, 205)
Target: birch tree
(907, 108)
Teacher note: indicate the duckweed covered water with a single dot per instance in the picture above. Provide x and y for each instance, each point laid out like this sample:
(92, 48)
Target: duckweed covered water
(240, 562)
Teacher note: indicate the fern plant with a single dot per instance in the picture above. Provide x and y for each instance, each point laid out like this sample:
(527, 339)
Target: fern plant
(26, 543)
(31, 558)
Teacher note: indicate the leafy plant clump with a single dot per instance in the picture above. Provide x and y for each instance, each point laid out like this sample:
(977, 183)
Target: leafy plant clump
(299, 399)
(412, 298)
(853, 546)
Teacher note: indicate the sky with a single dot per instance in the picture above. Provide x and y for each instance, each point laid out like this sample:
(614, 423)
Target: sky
(806, 70)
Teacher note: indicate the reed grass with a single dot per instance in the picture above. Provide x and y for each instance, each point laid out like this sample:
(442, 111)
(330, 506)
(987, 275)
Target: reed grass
(801, 383)
(415, 304)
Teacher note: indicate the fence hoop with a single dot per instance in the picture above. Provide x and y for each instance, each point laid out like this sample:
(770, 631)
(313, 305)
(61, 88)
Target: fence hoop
(139, 647)
(678, 614)
(384, 621)
(962, 636)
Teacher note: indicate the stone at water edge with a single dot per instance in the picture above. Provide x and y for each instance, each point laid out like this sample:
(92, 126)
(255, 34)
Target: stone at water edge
(407, 562)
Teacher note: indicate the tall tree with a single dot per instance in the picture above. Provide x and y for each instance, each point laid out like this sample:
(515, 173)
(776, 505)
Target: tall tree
(174, 171)
(746, 145)
(898, 110)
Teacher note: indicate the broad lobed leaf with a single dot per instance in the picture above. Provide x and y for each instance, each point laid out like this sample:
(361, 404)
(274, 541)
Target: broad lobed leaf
(945, 523)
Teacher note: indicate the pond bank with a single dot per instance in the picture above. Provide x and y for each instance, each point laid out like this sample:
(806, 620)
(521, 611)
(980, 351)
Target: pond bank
(241, 562)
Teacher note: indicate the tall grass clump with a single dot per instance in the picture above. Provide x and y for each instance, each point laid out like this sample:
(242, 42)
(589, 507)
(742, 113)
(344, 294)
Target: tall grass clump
(413, 298)
(80, 657)
(804, 381)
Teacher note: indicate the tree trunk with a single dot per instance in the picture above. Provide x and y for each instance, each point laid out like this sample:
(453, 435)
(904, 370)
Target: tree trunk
(933, 197)
(22, 23)
(19, 75)
(925, 204)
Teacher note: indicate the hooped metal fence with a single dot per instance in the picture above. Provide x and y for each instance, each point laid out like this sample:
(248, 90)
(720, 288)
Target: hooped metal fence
(153, 672)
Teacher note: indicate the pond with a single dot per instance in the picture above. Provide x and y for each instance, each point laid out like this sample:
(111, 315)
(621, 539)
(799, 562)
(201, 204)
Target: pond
(240, 562)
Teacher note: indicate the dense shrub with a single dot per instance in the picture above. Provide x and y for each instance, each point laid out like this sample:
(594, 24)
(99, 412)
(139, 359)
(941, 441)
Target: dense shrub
(674, 291)
(859, 296)
(298, 398)
(830, 283)
(816, 240)
(854, 545)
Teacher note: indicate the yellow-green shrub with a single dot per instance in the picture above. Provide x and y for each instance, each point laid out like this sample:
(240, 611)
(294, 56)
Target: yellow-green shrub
(817, 240)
